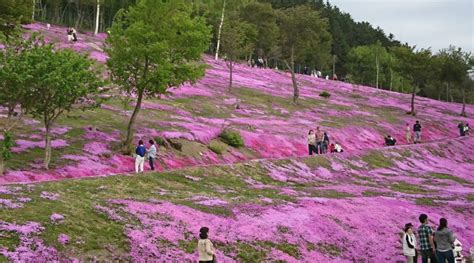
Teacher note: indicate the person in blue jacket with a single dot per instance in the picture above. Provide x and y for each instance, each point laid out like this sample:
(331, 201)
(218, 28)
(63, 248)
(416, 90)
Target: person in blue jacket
(140, 151)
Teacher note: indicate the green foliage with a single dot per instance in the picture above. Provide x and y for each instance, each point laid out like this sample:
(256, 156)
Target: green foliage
(407, 188)
(232, 138)
(153, 46)
(62, 79)
(5, 145)
(12, 13)
(329, 249)
(217, 147)
(325, 94)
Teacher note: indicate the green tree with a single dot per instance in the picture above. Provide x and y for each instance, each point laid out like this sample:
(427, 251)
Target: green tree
(302, 30)
(13, 92)
(237, 40)
(416, 66)
(61, 80)
(264, 18)
(153, 46)
(12, 13)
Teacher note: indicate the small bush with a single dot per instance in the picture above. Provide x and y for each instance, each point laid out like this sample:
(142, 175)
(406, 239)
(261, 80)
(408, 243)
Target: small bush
(161, 142)
(175, 144)
(325, 94)
(232, 138)
(217, 147)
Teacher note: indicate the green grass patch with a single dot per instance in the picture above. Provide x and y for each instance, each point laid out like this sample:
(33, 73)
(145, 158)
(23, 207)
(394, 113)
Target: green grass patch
(232, 138)
(369, 193)
(407, 188)
(332, 250)
(470, 197)
(330, 194)
(425, 201)
(449, 177)
(376, 159)
(217, 146)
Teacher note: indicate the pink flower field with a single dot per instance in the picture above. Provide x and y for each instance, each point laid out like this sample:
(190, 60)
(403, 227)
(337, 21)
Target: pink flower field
(264, 202)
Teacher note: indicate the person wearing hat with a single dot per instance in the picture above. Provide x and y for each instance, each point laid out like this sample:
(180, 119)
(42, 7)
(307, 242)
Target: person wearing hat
(205, 247)
(409, 243)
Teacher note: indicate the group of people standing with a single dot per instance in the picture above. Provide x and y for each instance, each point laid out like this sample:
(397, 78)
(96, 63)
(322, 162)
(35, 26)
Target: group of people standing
(142, 153)
(437, 246)
(318, 143)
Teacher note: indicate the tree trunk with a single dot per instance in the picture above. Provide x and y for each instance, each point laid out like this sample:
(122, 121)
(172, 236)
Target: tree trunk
(413, 94)
(97, 18)
(2, 165)
(138, 106)
(33, 14)
(291, 68)
(219, 32)
(377, 71)
(47, 147)
(391, 79)
(447, 91)
(463, 111)
(230, 74)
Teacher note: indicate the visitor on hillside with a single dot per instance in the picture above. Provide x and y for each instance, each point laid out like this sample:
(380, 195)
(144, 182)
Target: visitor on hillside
(306, 70)
(69, 35)
(312, 143)
(140, 152)
(444, 239)
(425, 235)
(390, 141)
(417, 131)
(467, 129)
(205, 247)
(409, 243)
(319, 140)
(319, 74)
(74, 34)
(334, 77)
(461, 129)
(338, 148)
(332, 148)
(325, 143)
(327, 77)
(152, 154)
(408, 133)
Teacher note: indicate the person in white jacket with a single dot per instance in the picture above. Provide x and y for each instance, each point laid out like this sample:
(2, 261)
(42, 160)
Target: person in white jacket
(409, 243)
(205, 248)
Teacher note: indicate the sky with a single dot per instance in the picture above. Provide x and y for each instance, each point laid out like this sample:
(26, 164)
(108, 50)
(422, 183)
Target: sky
(421, 23)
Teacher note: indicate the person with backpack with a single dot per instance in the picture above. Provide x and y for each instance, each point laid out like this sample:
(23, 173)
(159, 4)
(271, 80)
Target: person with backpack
(461, 129)
(444, 239)
(140, 152)
(417, 131)
(205, 248)
(425, 235)
(409, 243)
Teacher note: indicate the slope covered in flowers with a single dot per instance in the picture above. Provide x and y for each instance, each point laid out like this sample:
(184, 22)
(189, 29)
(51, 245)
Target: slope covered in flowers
(194, 115)
(336, 208)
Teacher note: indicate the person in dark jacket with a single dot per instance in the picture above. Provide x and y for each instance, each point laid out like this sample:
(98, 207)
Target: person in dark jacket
(417, 130)
(325, 145)
(461, 129)
(444, 239)
(140, 152)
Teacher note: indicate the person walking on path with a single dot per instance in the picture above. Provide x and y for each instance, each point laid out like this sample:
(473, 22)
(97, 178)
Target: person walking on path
(312, 143)
(444, 239)
(409, 243)
(417, 130)
(425, 234)
(205, 248)
(408, 133)
(140, 152)
(152, 154)
(319, 140)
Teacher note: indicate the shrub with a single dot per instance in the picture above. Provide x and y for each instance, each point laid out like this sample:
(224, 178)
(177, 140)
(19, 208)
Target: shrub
(232, 138)
(175, 144)
(325, 94)
(217, 147)
(162, 142)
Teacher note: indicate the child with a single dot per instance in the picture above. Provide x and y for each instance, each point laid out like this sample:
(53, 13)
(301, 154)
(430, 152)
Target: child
(409, 243)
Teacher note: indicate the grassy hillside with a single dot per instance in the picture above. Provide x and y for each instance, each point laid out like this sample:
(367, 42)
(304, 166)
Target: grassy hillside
(193, 116)
(264, 202)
